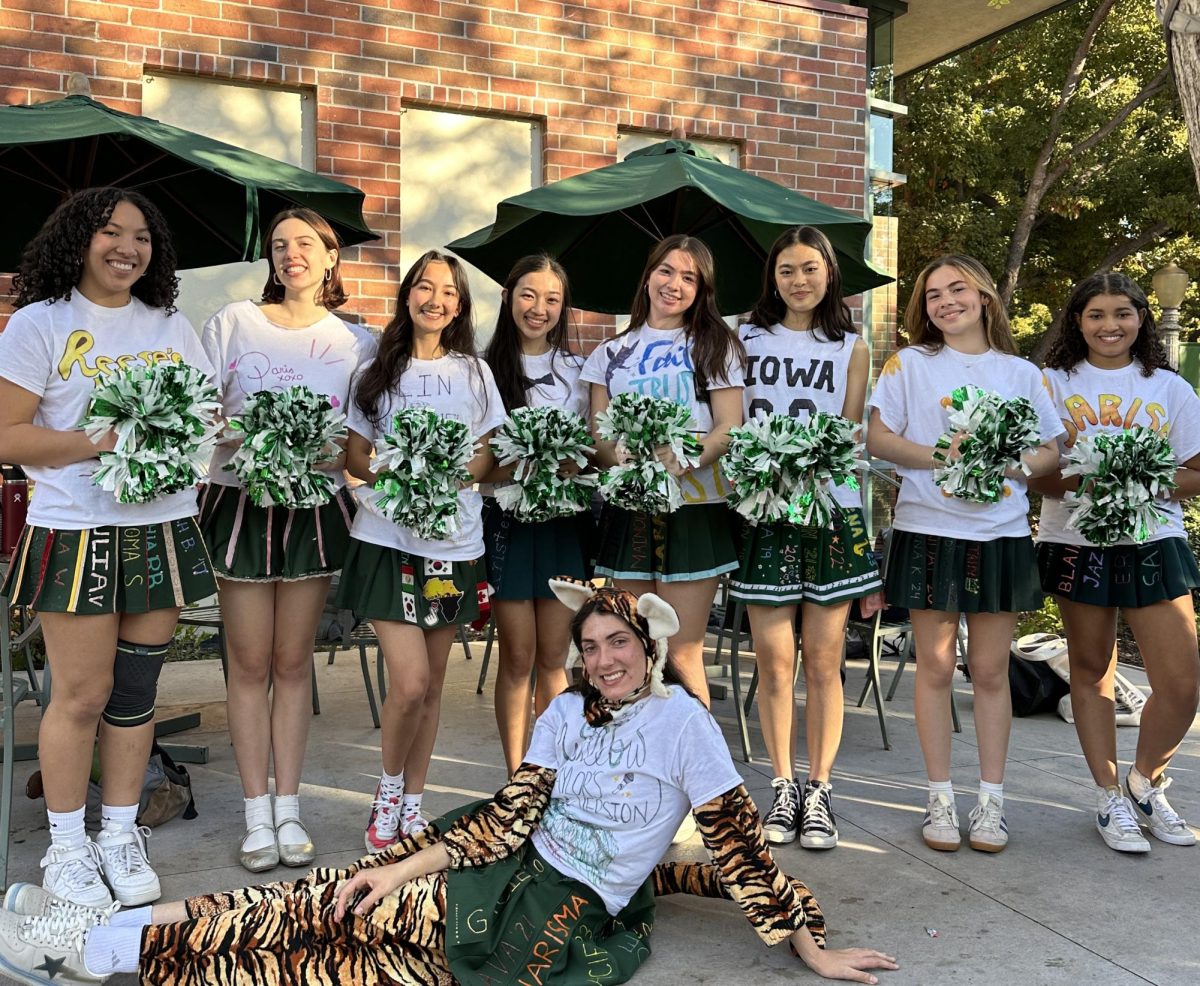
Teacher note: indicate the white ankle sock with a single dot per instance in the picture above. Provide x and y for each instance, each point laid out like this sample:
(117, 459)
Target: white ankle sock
(118, 818)
(287, 812)
(941, 787)
(131, 917)
(1139, 784)
(66, 828)
(994, 791)
(107, 950)
(258, 812)
(411, 805)
(392, 784)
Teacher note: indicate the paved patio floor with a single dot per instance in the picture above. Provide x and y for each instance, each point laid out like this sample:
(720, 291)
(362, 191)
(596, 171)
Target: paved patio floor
(1056, 907)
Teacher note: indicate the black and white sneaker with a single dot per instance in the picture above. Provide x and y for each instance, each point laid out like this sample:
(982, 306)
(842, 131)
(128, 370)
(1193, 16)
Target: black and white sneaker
(783, 819)
(818, 830)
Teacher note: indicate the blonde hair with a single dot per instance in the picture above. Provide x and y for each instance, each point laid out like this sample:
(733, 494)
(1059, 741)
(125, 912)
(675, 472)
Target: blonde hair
(922, 332)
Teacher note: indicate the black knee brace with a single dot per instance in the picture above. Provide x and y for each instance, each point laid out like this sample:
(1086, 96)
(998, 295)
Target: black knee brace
(135, 683)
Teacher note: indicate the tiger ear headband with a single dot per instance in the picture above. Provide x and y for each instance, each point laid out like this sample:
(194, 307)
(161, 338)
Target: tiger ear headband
(653, 620)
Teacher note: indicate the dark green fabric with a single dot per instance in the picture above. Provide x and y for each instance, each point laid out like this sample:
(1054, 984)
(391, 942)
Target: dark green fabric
(110, 569)
(956, 576)
(381, 583)
(269, 543)
(692, 543)
(521, 921)
(782, 564)
(522, 558)
(1126, 575)
(602, 224)
(215, 197)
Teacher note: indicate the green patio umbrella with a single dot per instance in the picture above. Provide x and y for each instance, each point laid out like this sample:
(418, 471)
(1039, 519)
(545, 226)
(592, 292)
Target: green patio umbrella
(601, 225)
(215, 196)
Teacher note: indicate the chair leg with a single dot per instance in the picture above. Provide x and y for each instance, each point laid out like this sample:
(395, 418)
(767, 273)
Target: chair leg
(462, 639)
(366, 673)
(316, 696)
(877, 688)
(954, 713)
(487, 656)
(902, 660)
(735, 674)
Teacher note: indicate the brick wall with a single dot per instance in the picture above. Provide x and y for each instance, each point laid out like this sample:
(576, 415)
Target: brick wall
(783, 78)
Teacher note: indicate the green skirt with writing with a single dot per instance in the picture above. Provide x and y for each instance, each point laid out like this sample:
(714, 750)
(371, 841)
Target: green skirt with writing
(782, 564)
(693, 543)
(99, 570)
(523, 557)
(1125, 575)
(925, 571)
(381, 583)
(521, 921)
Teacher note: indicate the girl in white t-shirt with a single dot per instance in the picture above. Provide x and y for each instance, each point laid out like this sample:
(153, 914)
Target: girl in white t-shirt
(678, 347)
(950, 556)
(274, 564)
(96, 291)
(533, 366)
(1108, 372)
(417, 592)
(803, 356)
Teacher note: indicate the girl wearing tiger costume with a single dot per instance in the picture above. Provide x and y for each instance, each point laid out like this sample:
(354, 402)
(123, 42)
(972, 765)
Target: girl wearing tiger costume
(553, 877)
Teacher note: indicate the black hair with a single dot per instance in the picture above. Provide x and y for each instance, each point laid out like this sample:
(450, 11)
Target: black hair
(503, 352)
(383, 373)
(832, 314)
(52, 264)
(1069, 348)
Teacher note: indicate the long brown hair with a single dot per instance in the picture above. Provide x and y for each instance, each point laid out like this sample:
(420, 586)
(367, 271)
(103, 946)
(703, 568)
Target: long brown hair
(331, 294)
(922, 332)
(710, 340)
(383, 373)
(832, 314)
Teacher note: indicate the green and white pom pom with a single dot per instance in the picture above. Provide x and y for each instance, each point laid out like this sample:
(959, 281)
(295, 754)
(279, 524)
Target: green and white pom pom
(539, 440)
(998, 431)
(640, 425)
(289, 436)
(1121, 476)
(780, 468)
(165, 419)
(421, 466)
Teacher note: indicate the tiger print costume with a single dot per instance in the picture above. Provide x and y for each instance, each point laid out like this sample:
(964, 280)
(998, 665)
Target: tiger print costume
(284, 934)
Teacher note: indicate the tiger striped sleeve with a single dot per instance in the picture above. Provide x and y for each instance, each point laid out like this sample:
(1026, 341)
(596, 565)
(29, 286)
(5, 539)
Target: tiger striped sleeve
(499, 828)
(774, 904)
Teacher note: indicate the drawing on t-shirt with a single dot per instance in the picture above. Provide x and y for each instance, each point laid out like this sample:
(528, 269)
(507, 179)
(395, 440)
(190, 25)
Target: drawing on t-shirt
(80, 342)
(664, 369)
(1108, 412)
(256, 371)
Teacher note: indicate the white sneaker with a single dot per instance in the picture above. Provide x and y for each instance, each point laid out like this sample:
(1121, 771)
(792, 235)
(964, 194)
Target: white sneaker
(126, 866)
(42, 951)
(987, 831)
(1159, 817)
(413, 824)
(73, 873)
(940, 828)
(1116, 823)
(32, 901)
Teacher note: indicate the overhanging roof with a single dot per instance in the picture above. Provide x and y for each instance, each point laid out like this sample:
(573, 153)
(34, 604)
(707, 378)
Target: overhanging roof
(933, 30)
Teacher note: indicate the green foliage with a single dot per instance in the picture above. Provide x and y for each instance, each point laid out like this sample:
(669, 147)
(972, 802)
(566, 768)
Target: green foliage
(1044, 620)
(975, 127)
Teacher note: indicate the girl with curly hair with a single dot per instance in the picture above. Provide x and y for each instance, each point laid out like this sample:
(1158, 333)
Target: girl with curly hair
(274, 564)
(677, 346)
(96, 291)
(416, 591)
(1108, 373)
(534, 367)
(985, 568)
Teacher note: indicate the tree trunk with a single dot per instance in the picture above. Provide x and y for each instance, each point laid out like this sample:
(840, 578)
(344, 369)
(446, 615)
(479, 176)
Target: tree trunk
(1184, 49)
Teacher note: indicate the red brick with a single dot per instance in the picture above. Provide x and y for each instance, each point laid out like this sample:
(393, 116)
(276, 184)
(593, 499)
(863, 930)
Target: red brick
(309, 23)
(37, 6)
(250, 13)
(111, 12)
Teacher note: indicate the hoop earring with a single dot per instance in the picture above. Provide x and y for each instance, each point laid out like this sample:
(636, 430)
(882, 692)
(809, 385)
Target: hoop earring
(328, 274)
(275, 278)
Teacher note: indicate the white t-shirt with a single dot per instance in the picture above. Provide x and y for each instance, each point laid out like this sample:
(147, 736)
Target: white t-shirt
(255, 354)
(458, 387)
(61, 352)
(623, 788)
(913, 393)
(658, 363)
(1094, 401)
(797, 374)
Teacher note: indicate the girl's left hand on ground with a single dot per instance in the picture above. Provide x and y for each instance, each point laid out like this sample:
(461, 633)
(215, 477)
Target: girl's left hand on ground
(851, 964)
(668, 459)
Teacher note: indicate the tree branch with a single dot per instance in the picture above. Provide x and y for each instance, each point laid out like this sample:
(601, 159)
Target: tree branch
(1133, 245)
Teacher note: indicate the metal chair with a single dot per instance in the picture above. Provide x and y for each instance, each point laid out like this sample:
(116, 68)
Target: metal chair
(14, 693)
